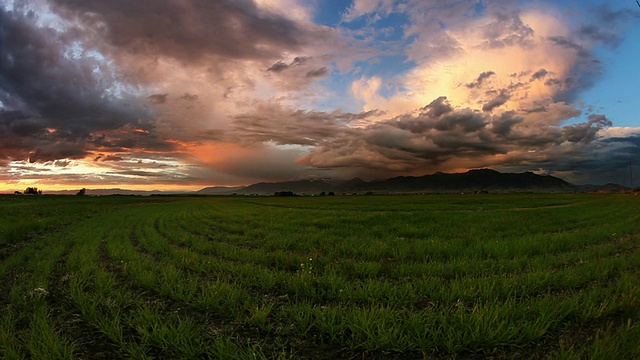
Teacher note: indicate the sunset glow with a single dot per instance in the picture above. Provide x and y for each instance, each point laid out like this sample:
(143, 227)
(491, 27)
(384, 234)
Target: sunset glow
(180, 95)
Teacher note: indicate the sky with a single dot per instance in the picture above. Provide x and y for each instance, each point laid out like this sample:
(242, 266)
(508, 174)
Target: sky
(184, 94)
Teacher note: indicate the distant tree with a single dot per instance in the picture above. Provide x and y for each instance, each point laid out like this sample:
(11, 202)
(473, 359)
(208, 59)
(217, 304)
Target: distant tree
(81, 192)
(331, 193)
(284, 193)
(17, 193)
(32, 191)
(323, 194)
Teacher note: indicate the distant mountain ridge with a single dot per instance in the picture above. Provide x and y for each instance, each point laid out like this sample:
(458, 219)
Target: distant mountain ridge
(480, 180)
(116, 191)
(219, 190)
(475, 181)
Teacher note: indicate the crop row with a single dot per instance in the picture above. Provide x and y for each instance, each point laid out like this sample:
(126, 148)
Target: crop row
(270, 278)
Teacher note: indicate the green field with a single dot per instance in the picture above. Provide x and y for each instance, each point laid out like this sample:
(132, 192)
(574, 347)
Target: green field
(345, 277)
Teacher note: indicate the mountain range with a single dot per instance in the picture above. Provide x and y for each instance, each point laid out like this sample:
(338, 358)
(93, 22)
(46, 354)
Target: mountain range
(472, 181)
(481, 180)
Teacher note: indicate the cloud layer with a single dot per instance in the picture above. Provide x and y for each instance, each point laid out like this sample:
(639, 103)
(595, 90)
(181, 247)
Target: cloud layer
(191, 93)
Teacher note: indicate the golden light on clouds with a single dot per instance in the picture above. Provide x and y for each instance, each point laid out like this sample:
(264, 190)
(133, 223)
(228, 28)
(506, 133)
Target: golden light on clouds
(236, 92)
(510, 64)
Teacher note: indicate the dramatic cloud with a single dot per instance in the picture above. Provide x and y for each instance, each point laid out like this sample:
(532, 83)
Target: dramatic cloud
(60, 96)
(190, 30)
(282, 66)
(186, 93)
(481, 78)
(586, 132)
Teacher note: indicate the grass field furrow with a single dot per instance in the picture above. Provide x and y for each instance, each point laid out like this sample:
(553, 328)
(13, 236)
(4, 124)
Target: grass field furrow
(202, 310)
(375, 277)
(90, 342)
(385, 266)
(28, 327)
(135, 322)
(528, 284)
(466, 275)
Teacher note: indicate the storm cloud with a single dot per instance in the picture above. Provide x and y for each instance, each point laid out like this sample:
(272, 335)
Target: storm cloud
(240, 91)
(58, 98)
(190, 30)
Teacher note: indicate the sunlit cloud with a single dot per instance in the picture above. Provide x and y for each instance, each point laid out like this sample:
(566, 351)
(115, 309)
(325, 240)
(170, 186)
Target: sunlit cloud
(100, 94)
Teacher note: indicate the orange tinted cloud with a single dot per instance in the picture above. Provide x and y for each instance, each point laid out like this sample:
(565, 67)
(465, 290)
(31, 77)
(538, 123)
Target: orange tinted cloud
(244, 91)
(251, 162)
(515, 50)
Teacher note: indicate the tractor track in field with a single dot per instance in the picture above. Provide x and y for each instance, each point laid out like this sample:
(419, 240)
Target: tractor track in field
(9, 248)
(151, 296)
(210, 322)
(89, 341)
(30, 239)
(317, 347)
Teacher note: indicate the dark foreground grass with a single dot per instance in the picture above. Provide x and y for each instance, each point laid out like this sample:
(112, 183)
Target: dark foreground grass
(367, 277)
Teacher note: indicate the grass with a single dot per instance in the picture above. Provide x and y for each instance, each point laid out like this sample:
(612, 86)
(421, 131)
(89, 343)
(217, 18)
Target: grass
(376, 277)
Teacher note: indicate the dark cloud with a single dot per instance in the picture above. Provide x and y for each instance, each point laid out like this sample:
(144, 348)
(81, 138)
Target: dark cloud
(189, 97)
(158, 98)
(24, 137)
(467, 120)
(190, 30)
(441, 137)
(582, 75)
(140, 173)
(438, 107)
(318, 72)
(586, 132)
(41, 79)
(129, 138)
(109, 158)
(567, 43)
(279, 67)
(481, 78)
(50, 151)
(500, 99)
(421, 142)
(440, 115)
(298, 73)
(606, 27)
(57, 99)
(539, 75)
(16, 123)
(507, 30)
(407, 143)
(503, 124)
(599, 162)
(553, 82)
(600, 35)
(270, 123)
(79, 87)
(282, 66)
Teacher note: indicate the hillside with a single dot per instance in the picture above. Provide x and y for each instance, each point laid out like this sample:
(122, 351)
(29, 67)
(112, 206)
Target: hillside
(471, 181)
